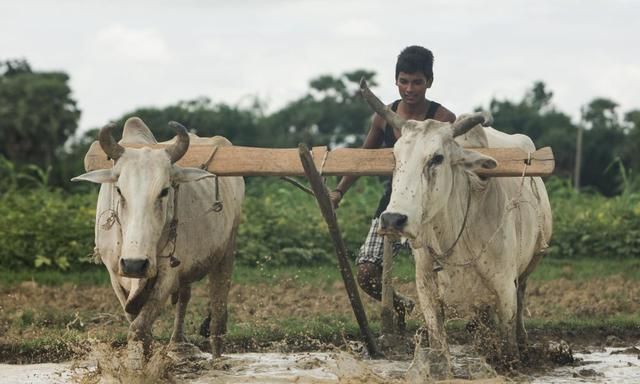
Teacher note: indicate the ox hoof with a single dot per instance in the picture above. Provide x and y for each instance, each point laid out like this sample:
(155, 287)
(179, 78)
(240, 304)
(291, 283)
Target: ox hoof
(135, 355)
(186, 352)
(428, 365)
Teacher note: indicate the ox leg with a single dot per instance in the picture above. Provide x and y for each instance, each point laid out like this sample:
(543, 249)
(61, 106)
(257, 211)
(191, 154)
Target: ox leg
(506, 311)
(139, 337)
(433, 362)
(521, 333)
(219, 285)
(184, 295)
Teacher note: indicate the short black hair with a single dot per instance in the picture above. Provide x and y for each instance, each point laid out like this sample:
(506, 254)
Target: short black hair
(414, 59)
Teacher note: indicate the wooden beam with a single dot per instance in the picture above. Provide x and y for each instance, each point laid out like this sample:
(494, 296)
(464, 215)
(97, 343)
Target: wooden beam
(253, 161)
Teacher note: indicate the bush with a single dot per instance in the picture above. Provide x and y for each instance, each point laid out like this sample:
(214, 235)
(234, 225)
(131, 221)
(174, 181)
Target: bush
(282, 225)
(590, 225)
(41, 228)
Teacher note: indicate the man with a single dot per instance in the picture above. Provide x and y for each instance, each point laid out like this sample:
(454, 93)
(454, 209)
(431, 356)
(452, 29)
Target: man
(414, 75)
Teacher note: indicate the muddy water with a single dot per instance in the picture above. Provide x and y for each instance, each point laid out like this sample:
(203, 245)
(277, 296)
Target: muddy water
(608, 365)
(599, 366)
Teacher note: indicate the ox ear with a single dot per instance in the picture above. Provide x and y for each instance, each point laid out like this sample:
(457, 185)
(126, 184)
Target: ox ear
(100, 176)
(185, 175)
(473, 160)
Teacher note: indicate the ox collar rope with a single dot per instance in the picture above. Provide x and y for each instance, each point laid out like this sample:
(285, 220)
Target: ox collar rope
(439, 259)
(172, 235)
(512, 204)
(217, 204)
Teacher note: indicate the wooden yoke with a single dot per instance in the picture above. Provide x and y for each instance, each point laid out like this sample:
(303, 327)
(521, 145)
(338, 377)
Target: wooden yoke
(253, 161)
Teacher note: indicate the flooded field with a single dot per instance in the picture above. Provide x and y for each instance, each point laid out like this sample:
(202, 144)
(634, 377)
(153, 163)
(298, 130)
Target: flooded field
(284, 333)
(592, 365)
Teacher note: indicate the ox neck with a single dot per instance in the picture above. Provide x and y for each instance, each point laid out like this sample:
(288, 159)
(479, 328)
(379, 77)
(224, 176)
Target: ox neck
(452, 220)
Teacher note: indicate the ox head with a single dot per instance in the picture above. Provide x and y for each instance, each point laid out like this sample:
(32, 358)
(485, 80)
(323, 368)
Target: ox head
(428, 163)
(143, 181)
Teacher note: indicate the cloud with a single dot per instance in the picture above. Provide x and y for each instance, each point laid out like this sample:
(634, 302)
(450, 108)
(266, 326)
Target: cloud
(357, 28)
(129, 44)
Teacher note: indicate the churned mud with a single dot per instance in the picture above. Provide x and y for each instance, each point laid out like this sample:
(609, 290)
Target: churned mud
(595, 365)
(82, 330)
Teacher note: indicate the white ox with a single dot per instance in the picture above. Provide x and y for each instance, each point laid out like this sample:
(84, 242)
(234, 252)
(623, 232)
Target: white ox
(487, 234)
(139, 200)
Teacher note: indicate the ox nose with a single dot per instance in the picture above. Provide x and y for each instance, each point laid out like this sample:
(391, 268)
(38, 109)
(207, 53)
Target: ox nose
(134, 267)
(393, 221)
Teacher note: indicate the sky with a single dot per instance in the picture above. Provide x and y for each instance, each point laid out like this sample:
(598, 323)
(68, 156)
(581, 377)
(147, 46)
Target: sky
(122, 55)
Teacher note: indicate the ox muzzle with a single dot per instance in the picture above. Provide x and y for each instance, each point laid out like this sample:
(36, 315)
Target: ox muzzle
(134, 268)
(393, 222)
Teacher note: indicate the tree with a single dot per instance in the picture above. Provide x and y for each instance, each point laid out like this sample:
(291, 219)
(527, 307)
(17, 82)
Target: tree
(536, 116)
(631, 149)
(331, 113)
(37, 113)
(604, 139)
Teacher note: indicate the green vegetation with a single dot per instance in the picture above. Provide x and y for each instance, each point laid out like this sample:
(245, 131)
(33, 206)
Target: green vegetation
(47, 229)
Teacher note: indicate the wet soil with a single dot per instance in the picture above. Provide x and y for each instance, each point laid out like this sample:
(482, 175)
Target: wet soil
(43, 324)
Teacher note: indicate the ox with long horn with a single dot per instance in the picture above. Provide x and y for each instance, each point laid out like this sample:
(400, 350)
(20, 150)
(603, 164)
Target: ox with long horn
(179, 148)
(378, 106)
(464, 124)
(108, 143)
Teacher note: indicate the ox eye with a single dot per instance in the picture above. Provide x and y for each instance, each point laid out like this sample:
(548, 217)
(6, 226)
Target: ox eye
(119, 191)
(435, 160)
(164, 192)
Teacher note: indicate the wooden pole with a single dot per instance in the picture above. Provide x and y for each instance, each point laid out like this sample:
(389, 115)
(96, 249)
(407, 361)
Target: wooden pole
(387, 312)
(578, 160)
(322, 197)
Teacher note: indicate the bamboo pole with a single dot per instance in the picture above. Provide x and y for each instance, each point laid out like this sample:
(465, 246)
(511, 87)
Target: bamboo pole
(329, 214)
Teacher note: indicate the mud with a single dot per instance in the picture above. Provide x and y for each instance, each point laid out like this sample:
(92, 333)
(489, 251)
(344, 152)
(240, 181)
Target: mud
(595, 365)
(86, 322)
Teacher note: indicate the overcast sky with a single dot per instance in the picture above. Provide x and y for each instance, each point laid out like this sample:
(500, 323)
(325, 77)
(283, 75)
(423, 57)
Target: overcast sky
(122, 55)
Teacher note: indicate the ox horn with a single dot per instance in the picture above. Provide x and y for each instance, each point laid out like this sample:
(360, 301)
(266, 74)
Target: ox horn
(108, 143)
(179, 148)
(391, 117)
(463, 125)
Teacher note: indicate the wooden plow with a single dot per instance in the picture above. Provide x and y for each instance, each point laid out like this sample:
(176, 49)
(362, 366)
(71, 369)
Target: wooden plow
(320, 162)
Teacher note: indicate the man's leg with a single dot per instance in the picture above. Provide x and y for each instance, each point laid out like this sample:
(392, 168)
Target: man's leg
(369, 272)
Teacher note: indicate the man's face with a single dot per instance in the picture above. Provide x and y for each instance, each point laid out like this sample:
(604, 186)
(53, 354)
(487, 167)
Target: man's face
(412, 86)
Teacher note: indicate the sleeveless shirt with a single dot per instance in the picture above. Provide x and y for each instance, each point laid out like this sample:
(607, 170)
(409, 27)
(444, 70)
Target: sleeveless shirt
(388, 142)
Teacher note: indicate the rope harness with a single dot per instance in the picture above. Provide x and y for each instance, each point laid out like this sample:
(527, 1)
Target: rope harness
(513, 203)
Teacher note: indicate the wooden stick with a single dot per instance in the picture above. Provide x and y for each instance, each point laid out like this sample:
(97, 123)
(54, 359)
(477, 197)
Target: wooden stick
(297, 184)
(322, 197)
(387, 312)
(251, 161)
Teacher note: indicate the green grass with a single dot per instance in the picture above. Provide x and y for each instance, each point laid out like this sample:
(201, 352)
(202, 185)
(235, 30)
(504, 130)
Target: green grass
(318, 275)
(321, 275)
(586, 269)
(95, 275)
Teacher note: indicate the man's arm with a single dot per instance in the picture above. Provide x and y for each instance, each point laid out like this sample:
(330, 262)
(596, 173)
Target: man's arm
(374, 139)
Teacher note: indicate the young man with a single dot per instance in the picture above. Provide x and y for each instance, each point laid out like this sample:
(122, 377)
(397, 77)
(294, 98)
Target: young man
(414, 75)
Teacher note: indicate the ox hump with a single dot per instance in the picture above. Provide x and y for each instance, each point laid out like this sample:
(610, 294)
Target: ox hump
(135, 131)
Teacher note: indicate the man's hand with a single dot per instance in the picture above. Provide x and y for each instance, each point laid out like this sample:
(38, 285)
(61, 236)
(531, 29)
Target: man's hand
(335, 197)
